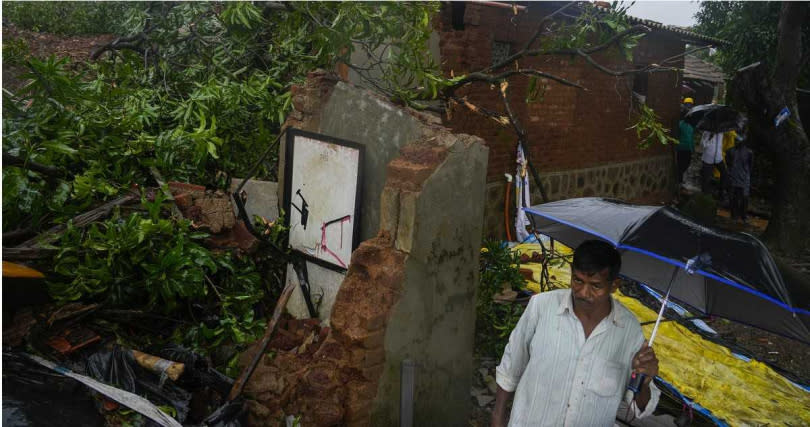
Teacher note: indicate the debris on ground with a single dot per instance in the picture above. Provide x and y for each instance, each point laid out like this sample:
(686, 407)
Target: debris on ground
(130, 372)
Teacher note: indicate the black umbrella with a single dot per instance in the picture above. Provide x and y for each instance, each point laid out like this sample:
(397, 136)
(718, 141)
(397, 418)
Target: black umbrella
(715, 118)
(730, 275)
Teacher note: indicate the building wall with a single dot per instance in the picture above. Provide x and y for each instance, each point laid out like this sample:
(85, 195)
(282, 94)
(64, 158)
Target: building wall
(568, 128)
(409, 292)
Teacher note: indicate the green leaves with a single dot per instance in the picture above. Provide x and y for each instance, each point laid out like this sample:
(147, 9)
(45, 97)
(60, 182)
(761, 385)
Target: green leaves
(243, 14)
(751, 28)
(499, 269)
(131, 261)
(79, 17)
(649, 129)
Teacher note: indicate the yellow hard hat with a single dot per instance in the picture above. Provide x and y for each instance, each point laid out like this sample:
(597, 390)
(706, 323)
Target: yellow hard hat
(688, 101)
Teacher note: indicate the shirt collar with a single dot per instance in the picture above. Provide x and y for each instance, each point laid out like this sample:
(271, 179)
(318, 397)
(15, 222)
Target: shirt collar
(567, 304)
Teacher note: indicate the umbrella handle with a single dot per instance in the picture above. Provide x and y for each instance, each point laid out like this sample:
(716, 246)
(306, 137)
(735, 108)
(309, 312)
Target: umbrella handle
(636, 380)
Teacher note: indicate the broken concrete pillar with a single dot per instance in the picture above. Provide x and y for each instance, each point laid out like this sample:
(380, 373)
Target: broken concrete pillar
(409, 292)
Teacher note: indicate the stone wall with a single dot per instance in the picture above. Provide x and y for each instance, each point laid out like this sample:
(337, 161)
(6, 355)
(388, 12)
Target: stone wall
(409, 292)
(627, 181)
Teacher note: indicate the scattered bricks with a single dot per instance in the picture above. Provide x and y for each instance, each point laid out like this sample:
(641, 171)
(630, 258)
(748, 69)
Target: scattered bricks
(330, 350)
(258, 414)
(237, 237)
(183, 200)
(265, 379)
(322, 412)
(216, 213)
(184, 187)
(320, 378)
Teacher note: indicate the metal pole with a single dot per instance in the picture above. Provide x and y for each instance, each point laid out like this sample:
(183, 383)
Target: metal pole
(406, 393)
(663, 307)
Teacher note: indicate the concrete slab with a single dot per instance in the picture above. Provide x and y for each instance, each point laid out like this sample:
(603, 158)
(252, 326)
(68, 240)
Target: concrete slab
(262, 198)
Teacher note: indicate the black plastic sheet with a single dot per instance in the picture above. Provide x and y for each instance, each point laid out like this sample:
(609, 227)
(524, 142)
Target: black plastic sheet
(117, 367)
(36, 396)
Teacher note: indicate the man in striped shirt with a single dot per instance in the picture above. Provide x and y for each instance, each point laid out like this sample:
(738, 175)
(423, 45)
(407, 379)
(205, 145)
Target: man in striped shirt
(570, 357)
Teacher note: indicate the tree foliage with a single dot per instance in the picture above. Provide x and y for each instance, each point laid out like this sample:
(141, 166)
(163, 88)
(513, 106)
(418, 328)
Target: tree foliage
(751, 28)
(68, 18)
(194, 91)
(499, 270)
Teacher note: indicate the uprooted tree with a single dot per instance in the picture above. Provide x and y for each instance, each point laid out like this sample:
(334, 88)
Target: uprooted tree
(768, 60)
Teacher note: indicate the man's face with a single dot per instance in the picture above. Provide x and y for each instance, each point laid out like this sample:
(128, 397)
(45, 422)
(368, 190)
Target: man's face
(592, 290)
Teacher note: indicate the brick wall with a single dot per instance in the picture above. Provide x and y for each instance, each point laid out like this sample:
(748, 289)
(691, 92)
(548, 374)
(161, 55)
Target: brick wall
(569, 128)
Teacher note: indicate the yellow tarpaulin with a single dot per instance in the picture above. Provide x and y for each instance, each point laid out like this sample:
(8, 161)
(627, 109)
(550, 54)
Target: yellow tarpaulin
(740, 393)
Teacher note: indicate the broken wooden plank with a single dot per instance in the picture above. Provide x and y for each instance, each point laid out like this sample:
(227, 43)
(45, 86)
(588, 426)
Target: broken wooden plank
(27, 254)
(52, 234)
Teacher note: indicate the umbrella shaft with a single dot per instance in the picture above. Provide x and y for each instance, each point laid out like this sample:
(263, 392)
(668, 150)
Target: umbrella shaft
(663, 307)
(660, 315)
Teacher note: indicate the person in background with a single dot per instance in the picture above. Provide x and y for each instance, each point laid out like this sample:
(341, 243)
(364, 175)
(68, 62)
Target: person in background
(570, 356)
(686, 142)
(740, 160)
(712, 143)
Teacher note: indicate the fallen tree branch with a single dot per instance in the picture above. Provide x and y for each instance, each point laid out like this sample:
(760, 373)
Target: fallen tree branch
(531, 41)
(52, 234)
(27, 254)
(131, 43)
(51, 171)
(524, 141)
(492, 79)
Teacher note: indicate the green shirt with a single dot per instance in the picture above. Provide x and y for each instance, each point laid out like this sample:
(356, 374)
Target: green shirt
(686, 133)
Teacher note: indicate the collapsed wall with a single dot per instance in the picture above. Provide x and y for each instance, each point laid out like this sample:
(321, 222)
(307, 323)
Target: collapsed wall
(410, 288)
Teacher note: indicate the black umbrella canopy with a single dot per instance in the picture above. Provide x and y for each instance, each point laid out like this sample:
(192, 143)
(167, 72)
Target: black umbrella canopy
(741, 283)
(715, 118)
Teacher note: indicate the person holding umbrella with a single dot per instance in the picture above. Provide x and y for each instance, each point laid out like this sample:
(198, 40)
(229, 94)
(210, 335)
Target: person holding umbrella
(712, 157)
(570, 357)
(686, 143)
(713, 120)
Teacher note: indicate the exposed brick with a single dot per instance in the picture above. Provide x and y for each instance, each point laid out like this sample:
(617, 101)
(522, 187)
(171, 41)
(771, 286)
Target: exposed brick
(372, 373)
(374, 340)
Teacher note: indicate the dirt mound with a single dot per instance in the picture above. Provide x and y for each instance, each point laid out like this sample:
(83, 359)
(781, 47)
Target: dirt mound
(43, 45)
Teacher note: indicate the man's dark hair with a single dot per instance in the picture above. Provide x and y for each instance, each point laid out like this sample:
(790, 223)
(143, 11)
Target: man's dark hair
(593, 256)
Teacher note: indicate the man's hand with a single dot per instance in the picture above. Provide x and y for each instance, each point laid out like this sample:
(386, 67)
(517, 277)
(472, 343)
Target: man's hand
(499, 418)
(645, 362)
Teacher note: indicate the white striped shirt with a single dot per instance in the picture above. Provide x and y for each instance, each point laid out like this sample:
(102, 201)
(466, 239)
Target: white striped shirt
(712, 147)
(559, 377)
